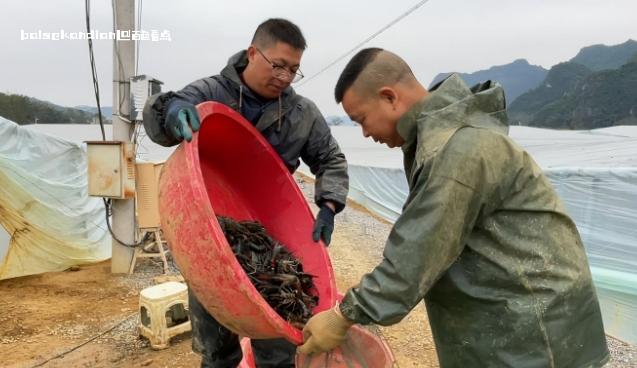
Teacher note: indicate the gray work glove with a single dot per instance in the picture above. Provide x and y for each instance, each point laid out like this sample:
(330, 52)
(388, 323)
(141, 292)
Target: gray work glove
(182, 120)
(324, 225)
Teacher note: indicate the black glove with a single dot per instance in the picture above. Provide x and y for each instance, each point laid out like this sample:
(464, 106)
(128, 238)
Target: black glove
(324, 225)
(182, 120)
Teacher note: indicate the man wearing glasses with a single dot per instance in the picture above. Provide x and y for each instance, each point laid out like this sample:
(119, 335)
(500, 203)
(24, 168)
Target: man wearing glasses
(256, 83)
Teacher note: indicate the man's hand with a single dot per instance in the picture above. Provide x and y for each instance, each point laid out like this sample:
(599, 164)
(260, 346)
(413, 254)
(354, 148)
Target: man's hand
(324, 331)
(182, 120)
(324, 224)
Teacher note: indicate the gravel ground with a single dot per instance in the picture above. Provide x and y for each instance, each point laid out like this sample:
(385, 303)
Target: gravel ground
(622, 355)
(148, 272)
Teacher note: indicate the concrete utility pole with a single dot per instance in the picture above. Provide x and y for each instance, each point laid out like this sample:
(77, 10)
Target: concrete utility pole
(123, 69)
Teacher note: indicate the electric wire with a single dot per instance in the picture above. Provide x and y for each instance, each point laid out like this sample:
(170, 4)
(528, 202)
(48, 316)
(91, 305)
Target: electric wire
(120, 65)
(374, 35)
(96, 87)
(62, 354)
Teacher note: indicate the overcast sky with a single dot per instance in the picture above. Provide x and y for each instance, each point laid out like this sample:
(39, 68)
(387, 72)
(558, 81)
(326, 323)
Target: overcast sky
(442, 35)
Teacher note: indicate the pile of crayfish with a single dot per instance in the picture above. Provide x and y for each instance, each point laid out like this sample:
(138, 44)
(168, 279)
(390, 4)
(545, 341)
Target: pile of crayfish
(272, 269)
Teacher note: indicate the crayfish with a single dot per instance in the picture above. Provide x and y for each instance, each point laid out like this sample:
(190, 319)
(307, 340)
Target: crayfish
(272, 269)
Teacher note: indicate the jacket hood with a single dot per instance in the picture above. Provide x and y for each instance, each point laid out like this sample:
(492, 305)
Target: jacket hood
(452, 104)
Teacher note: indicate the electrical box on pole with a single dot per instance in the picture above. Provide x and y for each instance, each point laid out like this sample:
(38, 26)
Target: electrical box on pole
(111, 169)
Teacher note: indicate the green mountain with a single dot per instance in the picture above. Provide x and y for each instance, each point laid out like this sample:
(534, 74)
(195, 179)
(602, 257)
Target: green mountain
(516, 77)
(602, 57)
(574, 97)
(606, 98)
(28, 110)
(597, 88)
(560, 82)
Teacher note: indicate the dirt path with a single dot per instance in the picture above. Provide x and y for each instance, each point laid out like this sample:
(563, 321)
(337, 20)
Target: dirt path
(47, 315)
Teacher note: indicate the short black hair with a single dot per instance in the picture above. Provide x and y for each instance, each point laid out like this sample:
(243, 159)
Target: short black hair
(276, 30)
(353, 69)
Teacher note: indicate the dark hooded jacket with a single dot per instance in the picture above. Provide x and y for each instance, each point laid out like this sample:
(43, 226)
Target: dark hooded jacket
(293, 125)
(486, 242)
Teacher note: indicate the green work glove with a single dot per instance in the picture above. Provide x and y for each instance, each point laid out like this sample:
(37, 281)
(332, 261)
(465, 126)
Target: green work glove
(324, 225)
(324, 331)
(181, 120)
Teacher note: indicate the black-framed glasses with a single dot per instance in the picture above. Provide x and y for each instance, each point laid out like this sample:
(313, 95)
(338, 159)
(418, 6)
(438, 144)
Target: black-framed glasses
(281, 71)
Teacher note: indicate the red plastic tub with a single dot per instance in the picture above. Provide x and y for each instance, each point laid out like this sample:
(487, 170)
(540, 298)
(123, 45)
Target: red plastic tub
(229, 169)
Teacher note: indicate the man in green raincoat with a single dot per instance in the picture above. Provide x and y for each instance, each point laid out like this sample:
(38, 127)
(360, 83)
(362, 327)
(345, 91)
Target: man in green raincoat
(483, 237)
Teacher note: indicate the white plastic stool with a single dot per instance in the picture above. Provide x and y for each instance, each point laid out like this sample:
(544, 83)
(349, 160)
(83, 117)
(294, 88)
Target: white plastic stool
(163, 312)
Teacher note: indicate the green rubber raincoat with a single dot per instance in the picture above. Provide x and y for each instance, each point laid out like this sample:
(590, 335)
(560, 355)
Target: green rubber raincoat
(486, 242)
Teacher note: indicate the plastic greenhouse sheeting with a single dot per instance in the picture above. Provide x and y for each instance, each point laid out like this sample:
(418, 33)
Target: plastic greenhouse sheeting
(49, 222)
(595, 174)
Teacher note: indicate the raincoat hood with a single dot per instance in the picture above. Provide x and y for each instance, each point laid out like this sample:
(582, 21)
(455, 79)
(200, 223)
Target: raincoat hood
(438, 111)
